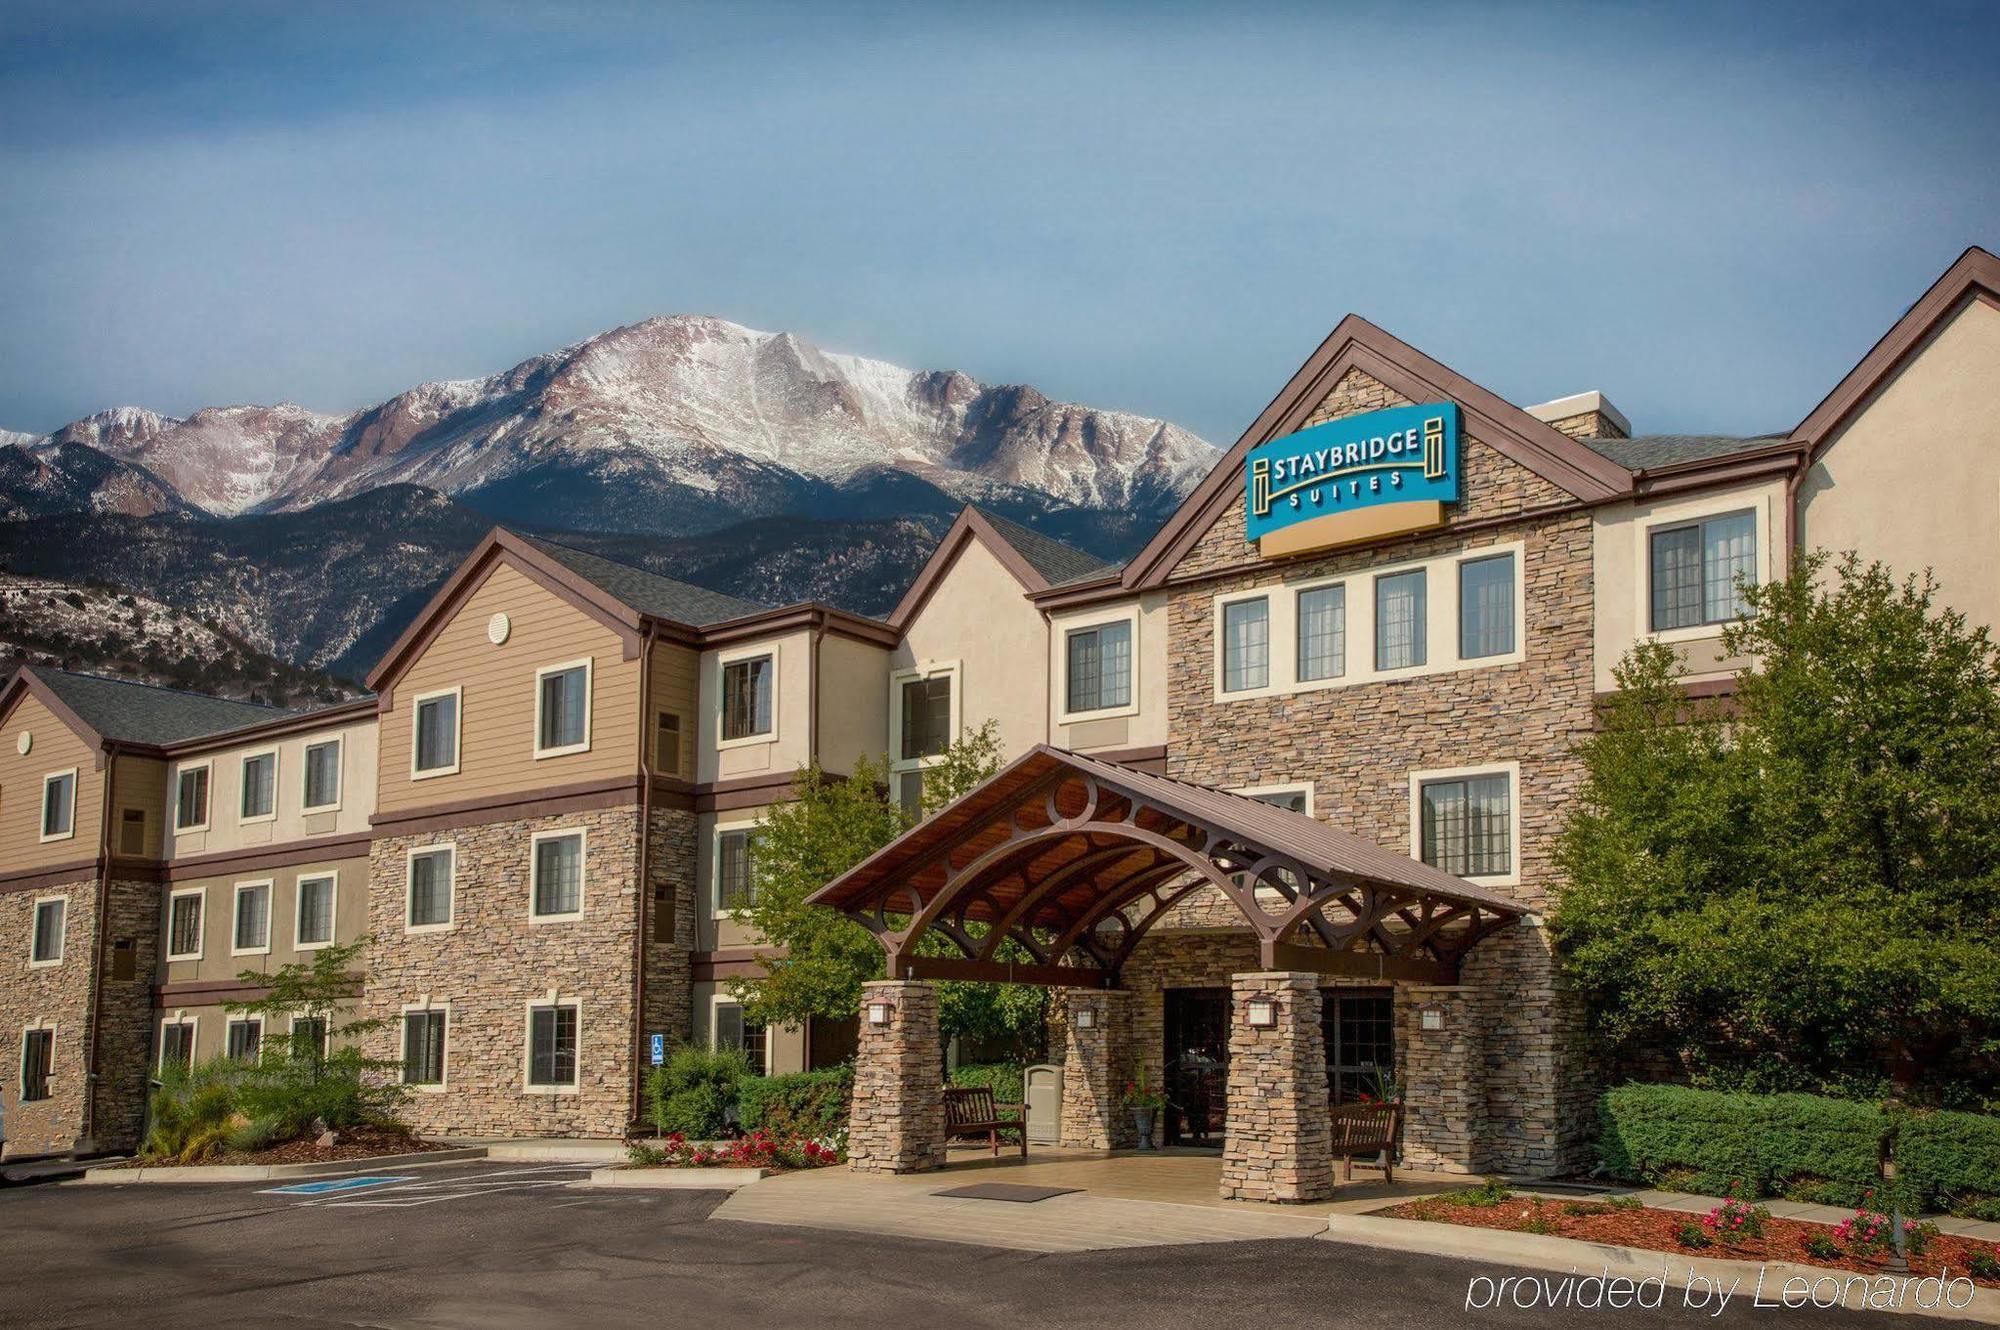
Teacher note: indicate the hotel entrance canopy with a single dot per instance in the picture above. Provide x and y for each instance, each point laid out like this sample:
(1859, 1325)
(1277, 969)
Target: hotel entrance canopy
(1073, 860)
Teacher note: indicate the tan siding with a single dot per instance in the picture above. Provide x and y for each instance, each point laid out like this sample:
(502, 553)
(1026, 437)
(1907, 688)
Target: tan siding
(56, 748)
(676, 687)
(497, 716)
(141, 783)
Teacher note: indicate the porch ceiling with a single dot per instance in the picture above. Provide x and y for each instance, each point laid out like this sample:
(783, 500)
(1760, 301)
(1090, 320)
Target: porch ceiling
(1072, 860)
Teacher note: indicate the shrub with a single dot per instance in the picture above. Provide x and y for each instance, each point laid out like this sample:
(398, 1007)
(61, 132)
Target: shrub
(1690, 1235)
(255, 1134)
(1950, 1159)
(694, 1091)
(1699, 1139)
(1822, 1248)
(294, 1088)
(1003, 1078)
(1735, 1219)
(807, 1103)
(192, 1110)
(1491, 1192)
(1985, 1265)
(1823, 1191)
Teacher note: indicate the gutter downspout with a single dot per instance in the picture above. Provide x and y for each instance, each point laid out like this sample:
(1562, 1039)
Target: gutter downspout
(645, 885)
(97, 961)
(812, 691)
(1793, 484)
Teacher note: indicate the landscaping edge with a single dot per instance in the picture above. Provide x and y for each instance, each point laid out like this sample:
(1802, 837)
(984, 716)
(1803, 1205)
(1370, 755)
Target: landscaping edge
(675, 1179)
(1564, 1255)
(109, 1176)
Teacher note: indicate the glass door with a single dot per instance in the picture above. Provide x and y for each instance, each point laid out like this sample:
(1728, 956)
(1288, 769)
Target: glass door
(1197, 1062)
(1359, 1025)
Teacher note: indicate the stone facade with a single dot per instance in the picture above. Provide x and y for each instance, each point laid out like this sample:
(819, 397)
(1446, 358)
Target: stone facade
(897, 1124)
(1358, 744)
(1589, 425)
(1445, 1091)
(670, 866)
(493, 964)
(1279, 1145)
(1096, 1064)
(125, 1020)
(56, 997)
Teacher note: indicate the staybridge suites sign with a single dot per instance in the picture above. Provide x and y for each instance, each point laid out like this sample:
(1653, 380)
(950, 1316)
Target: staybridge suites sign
(1352, 479)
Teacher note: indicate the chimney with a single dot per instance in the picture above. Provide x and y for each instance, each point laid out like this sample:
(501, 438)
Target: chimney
(1584, 416)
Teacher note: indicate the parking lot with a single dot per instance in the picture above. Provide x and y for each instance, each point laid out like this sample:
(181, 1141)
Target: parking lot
(497, 1245)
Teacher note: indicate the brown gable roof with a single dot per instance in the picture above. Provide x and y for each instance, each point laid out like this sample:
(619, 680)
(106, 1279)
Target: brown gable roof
(104, 710)
(1975, 276)
(1358, 344)
(1034, 560)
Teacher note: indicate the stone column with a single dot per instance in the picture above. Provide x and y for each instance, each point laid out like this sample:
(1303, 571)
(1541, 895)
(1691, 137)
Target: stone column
(897, 1124)
(1095, 1068)
(1444, 1077)
(1279, 1145)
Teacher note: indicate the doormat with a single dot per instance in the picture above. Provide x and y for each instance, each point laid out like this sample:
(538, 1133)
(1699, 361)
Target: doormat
(1006, 1191)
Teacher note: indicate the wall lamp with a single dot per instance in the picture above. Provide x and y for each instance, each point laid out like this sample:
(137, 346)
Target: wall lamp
(1086, 1018)
(880, 1013)
(1263, 1013)
(1430, 1018)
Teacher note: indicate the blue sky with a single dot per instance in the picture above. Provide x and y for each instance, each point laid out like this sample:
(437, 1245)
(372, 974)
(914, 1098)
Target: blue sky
(1708, 213)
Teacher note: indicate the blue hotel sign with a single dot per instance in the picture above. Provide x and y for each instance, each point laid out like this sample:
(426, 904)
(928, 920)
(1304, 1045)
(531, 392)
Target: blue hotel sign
(1402, 455)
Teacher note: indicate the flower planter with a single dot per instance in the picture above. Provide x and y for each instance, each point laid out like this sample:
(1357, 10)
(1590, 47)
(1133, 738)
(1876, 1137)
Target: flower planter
(1142, 1122)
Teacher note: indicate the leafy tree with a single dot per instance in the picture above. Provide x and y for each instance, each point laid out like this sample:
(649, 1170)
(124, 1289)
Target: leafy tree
(301, 1080)
(833, 824)
(1801, 891)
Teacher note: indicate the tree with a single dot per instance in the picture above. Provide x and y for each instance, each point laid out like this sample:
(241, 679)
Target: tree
(1801, 891)
(305, 1080)
(833, 824)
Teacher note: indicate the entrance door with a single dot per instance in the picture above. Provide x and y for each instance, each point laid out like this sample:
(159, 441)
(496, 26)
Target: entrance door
(1360, 1029)
(1197, 1061)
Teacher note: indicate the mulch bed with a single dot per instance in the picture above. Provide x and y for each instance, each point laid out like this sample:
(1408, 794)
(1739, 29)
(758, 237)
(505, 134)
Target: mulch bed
(1657, 1230)
(357, 1143)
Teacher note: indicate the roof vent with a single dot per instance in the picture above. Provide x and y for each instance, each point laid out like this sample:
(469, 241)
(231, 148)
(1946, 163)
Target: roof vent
(1584, 416)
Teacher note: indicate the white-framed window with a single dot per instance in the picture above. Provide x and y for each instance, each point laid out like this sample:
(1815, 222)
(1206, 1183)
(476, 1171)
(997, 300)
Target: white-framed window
(923, 718)
(428, 902)
(555, 875)
(1321, 615)
(185, 908)
(250, 933)
(178, 1033)
(748, 697)
(562, 709)
(554, 1046)
(322, 789)
(1100, 667)
(191, 798)
(735, 868)
(319, 898)
(1296, 796)
(260, 787)
(727, 1028)
(38, 1062)
(1245, 644)
(243, 1038)
(434, 733)
(51, 921)
(1467, 821)
(1487, 609)
(59, 805)
(310, 1037)
(426, 1045)
(1402, 618)
(1693, 567)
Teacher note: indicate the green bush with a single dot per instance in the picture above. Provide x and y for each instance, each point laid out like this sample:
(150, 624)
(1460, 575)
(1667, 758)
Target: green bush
(1003, 1078)
(1704, 1139)
(295, 1088)
(192, 1109)
(808, 1103)
(256, 1134)
(1952, 1160)
(694, 1090)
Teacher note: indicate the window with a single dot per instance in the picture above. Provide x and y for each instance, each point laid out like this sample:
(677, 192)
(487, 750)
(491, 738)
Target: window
(1486, 607)
(38, 1064)
(667, 744)
(562, 709)
(59, 805)
(315, 920)
(732, 1031)
(1099, 667)
(430, 887)
(177, 1044)
(746, 698)
(184, 909)
(309, 1039)
(434, 751)
(46, 947)
(245, 1039)
(1360, 1034)
(1468, 825)
(558, 870)
(1400, 607)
(552, 1046)
(1293, 798)
(1322, 633)
(323, 775)
(191, 798)
(253, 918)
(260, 786)
(735, 871)
(1695, 568)
(1246, 645)
(423, 1047)
(926, 715)
(910, 791)
(132, 831)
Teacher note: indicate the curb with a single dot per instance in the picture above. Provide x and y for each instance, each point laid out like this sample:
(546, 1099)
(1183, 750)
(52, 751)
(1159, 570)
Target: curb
(675, 1179)
(171, 1173)
(1564, 1255)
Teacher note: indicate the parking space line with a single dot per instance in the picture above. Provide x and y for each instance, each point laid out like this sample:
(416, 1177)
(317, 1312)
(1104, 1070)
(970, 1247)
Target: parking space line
(403, 1194)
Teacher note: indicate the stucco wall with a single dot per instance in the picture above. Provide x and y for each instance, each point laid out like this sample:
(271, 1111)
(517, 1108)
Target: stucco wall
(789, 744)
(1144, 723)
(226, 829)
(979, 617)
(218, 961)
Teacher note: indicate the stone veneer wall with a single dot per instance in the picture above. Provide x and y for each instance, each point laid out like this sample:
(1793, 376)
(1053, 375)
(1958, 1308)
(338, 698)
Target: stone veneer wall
(58, 995)
(493, 964)
(1447, 1125)
(1359, 744)
(897, 1121)
(1279, 1142)
(125, 1038)
(669, 975)
(1589, 425)
(1095, 1065)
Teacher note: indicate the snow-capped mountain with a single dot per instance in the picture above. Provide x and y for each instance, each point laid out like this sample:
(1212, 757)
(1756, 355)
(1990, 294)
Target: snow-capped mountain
(679, 423)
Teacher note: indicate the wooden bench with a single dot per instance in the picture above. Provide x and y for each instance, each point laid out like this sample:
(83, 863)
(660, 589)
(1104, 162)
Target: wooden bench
(971, 1113)
(1365, 1129)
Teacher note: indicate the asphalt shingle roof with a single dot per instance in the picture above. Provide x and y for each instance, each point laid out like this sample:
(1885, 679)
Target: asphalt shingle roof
(1055, 561)
(650, 593)
(1656, 450)
(141, 713)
